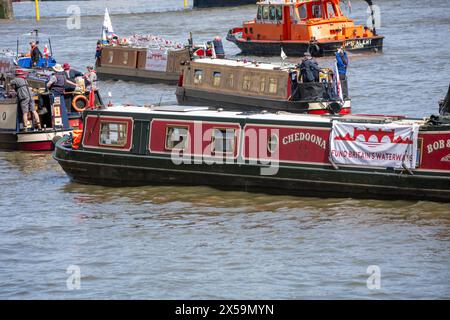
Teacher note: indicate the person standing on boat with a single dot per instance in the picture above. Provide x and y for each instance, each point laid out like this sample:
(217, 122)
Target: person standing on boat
(91, 79)
(57, 81)
(36, 54)
(25, 99)
(98, 54)
(342, 64)
(71, 74)
(309, 69)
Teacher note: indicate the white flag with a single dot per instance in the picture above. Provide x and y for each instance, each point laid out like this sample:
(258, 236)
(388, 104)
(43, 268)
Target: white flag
(283, 55)
(337, 83)
(107, 25)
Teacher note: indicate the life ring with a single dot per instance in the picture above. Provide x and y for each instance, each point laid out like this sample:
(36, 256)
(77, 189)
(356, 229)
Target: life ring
(75, 100)
(334, 107)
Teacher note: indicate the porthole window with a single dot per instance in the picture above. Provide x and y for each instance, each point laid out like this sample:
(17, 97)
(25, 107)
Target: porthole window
(272, 143)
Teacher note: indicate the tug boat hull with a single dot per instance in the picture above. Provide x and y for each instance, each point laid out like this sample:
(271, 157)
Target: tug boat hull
(297, 49)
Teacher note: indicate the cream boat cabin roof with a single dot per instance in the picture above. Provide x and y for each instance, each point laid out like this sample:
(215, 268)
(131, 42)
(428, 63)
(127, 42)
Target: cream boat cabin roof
(205, 112)
(250, 65)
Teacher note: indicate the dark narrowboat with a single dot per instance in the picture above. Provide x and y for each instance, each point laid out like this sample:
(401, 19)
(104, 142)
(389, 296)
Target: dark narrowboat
(361, 156)
(247, 85)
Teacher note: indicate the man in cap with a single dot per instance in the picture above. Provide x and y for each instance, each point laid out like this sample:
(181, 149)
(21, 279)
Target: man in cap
(342, 64)
(309, 68)
(25, 98)
(57, 81)
(70, 75)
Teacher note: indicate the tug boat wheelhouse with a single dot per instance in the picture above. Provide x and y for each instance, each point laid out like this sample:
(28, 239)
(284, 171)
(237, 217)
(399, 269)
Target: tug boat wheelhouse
(316, 26)
(360, 156)
(258, 86)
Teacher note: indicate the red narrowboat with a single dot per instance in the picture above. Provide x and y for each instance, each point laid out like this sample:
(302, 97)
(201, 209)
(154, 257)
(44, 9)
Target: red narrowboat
(363, 156)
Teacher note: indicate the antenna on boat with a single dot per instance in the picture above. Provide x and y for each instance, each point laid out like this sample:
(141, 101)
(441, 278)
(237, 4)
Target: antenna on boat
(17, 54)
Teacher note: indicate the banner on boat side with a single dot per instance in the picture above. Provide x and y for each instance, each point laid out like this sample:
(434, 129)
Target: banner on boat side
(376, 145)
(156, 60)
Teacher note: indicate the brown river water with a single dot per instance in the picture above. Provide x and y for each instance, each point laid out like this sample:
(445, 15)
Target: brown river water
(201, 243)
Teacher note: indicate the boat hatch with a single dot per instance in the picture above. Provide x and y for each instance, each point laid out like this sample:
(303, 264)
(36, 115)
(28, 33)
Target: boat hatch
(179, 108)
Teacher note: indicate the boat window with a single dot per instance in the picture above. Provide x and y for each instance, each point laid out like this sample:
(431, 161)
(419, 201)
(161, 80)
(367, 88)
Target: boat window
(330, 10)
(272, 13)
(216, 79)
(272, 143)
(302, 11)
(110, 56)
(113, 134)
(198, 76)
(176, 137)
(265, 12)
(223, 140)
(317, 11)
(125, 57)
(279, 13)
(273, 85)
(230, 81)
(259, 15)
(247, 83)
(262, 85)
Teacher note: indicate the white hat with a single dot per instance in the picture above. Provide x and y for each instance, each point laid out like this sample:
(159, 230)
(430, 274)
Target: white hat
(58, 68)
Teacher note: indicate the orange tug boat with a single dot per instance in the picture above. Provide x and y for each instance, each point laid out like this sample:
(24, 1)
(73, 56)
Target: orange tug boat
(316, 26)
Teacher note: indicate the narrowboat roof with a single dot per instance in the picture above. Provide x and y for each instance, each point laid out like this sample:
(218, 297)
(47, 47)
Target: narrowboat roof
(202, 112)
(243, 63)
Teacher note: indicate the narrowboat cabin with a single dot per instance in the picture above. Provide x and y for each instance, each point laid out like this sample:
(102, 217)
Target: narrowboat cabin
(150, 59)
(316, 26)
(363, 156)
(244, 85)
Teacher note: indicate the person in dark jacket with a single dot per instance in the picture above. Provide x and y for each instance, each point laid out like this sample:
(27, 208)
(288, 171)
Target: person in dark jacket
(309, 69)
(25, 99)
(98, 54)
(36, 54)
(57, 81)
(342, 64)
